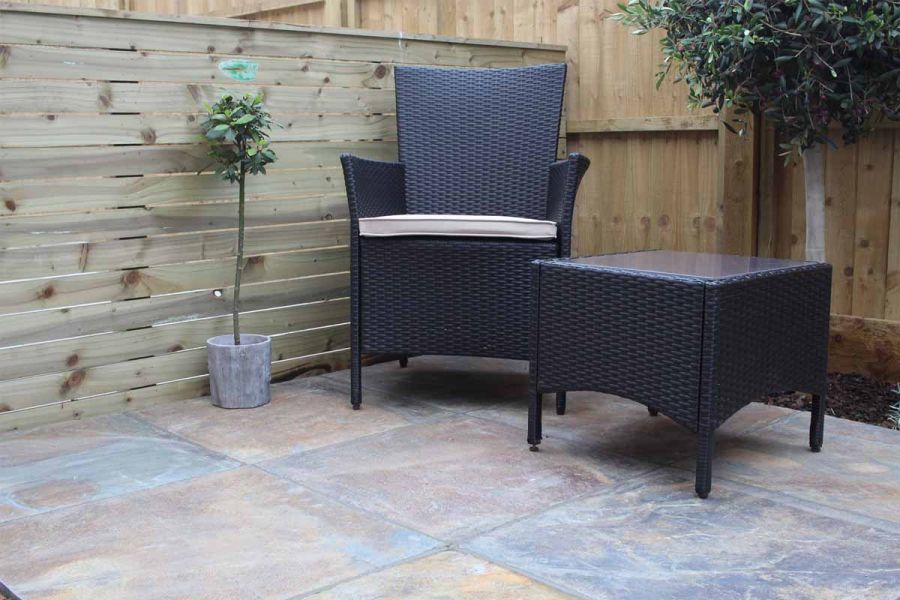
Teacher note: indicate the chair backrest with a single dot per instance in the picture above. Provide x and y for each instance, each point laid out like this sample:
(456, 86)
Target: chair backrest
(478, 141)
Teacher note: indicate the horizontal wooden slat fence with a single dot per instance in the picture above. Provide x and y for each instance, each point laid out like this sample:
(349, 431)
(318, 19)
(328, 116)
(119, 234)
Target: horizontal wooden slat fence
(117, 243)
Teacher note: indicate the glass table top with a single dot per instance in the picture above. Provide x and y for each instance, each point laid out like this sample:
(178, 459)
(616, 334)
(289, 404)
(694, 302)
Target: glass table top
(691, 264)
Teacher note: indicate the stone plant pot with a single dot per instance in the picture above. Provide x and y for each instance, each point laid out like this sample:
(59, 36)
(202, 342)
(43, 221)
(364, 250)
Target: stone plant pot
(239, 375)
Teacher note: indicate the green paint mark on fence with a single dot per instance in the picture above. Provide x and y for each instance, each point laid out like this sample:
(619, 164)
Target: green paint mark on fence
(242, 70)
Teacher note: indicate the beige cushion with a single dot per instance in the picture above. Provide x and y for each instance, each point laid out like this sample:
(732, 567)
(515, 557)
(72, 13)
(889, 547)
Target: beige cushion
(458, 225)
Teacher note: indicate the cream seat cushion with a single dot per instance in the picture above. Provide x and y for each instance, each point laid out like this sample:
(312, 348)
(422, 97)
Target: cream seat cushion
(457, 225)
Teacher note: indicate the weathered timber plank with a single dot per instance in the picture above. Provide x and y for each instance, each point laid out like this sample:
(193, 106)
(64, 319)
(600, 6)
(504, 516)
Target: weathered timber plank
(50, 130)
(107, 403)
(107, 348)
(840, 222)
(767, 227)
(736, 189)
(873, 201)
(251, 9)
(93, 161)
(58, 195)
(892, 278)
(50, 62)
(165, 392)
(60, 97)
(25, 328)
(638, 124)
(125, 375)
(255, 24)
(64, 259)
(867, 346)
(59, 228)
(71, 290)
(262, 39)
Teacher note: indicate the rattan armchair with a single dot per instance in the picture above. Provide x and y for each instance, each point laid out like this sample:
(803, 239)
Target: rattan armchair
(477, 151)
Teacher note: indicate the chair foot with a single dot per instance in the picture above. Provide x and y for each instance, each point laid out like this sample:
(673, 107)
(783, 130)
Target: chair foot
(560, 403)
(653, 412)
(355, 406)
(817, 422)
(534, 421)
(404, 361)
(534, 448)
(703, 482)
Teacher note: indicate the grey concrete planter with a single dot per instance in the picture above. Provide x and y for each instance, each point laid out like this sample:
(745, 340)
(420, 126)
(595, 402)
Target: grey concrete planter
(239, 375)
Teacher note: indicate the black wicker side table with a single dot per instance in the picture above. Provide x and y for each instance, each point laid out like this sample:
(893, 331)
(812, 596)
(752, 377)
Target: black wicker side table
(693, 336)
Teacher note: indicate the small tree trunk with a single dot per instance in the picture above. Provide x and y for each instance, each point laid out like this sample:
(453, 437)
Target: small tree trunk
(239, 266)
(814, 176)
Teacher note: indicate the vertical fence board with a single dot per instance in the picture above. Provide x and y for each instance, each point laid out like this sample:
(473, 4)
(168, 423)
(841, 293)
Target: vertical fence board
(873, 196)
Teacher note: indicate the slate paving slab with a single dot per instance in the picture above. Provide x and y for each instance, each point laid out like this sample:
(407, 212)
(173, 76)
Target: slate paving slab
(364, 504)
(238, 534)
(69, 463)
(409, 407)
(859, 474)
(454, 383)
(452, 478)
(652, 538)
(301, 416)
(606, 423)
(442, 577)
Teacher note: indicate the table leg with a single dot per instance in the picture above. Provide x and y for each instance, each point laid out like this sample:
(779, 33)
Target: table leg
(355, 376)
(534, 421)
(704, 462)
(817, 422)
(560, 403)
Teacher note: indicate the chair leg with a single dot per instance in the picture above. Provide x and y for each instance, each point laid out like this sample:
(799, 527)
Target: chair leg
(534, 421)
(817, 422)
(404, 360)
(704, 462)
(653, 412)
(560, 403)
(355, 378)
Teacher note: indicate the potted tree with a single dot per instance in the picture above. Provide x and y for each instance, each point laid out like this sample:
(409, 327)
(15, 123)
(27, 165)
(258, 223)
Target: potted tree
(237, 131)
(806, 66)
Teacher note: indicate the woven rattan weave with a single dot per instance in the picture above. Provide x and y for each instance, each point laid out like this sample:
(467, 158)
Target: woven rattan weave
(472, 141)
(695, 337)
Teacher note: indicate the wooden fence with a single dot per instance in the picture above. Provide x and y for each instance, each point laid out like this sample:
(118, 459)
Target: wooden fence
(666, 177)
(662, 176)
(116, 257)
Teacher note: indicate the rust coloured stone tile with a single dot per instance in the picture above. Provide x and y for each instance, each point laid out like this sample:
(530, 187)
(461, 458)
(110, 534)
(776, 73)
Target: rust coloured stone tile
(301, 416)
(68, 463)
(240, 534)
(453, 478)
(442, 576)
(850, 473)
(653, 538)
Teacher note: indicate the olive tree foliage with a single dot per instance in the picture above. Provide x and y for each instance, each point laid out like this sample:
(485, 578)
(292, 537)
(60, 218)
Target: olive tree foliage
(812, 68)
(237, 129)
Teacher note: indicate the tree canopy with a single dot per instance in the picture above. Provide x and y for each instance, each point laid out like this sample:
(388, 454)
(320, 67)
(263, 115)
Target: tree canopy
(806, 65)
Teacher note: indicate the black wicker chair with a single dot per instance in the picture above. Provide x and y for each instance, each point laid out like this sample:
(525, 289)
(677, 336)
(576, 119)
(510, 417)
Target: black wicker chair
(472, 142)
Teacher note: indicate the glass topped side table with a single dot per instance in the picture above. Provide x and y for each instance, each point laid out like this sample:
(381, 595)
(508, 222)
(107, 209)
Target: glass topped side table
(693, 336)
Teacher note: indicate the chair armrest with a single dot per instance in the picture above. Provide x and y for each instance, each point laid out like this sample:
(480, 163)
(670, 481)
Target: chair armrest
(565, 177)
(374, 188)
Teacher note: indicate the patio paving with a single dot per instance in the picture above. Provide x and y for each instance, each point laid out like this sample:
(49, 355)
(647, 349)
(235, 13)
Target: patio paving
(430, 492)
